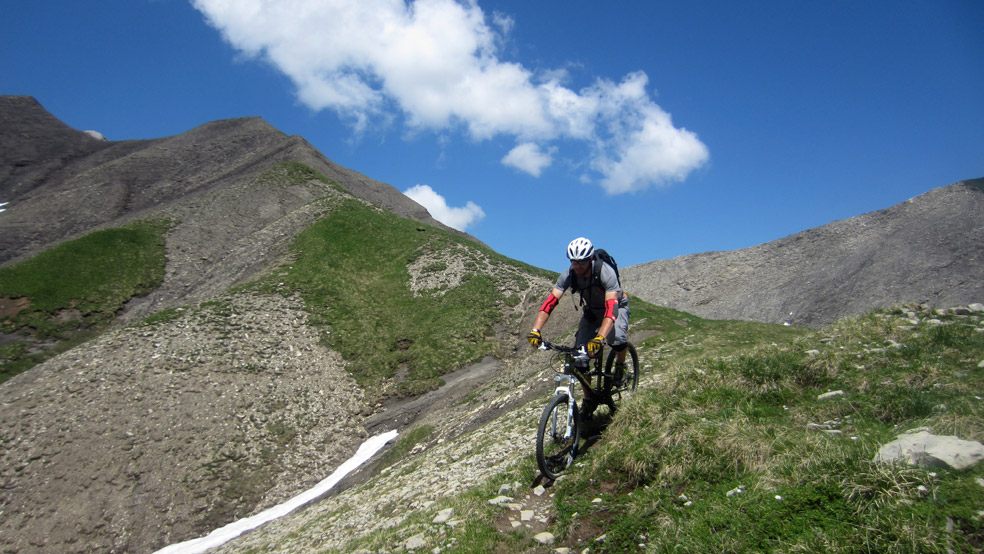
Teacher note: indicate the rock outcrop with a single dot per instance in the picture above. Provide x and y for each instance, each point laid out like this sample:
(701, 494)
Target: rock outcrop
(926, 250)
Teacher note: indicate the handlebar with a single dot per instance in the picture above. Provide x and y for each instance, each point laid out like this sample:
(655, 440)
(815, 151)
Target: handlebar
(579, 359)
(576, 351)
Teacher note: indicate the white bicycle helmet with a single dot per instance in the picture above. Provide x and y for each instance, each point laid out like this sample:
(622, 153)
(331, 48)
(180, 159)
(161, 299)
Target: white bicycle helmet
(580, 249)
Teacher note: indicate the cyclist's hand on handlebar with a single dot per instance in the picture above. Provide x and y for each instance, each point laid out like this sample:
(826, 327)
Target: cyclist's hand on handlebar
(594, 345)
(535, 339)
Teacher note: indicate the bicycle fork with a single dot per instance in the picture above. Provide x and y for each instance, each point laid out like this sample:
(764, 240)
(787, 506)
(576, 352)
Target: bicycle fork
(564, 387)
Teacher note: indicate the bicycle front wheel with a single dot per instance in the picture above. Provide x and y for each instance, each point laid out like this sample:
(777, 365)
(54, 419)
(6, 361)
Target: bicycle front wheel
(557, 436)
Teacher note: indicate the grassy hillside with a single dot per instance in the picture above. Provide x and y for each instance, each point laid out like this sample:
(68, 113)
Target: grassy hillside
(352, 270)
(62, 296)
(753, 421)
(731, 448)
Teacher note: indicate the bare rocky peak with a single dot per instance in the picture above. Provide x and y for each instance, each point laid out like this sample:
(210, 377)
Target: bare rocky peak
(926, 250)
(33, 144)
(61, 182)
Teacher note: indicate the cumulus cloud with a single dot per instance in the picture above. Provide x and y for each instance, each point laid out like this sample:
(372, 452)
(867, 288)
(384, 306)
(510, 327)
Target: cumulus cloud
(529, 158)
(457, 218)
(641, 146)
(436, 63)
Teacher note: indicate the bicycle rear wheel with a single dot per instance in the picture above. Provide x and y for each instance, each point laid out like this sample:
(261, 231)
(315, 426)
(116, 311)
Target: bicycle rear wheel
(629, 380)
(557, 436)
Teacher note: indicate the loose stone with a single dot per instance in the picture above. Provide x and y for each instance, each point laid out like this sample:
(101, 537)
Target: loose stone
(443, 516)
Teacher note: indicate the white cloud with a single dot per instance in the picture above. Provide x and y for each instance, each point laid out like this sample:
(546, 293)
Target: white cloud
(503, 21)
(647, 150)
(436, 63)
(529, 158)
(458, 218)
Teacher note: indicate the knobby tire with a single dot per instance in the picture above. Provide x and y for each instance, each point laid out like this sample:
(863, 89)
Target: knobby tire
(554, 452)
(631, 368)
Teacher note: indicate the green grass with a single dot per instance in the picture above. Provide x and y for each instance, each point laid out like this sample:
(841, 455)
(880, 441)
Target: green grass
(407, 441)
(742, 419)
(296, 173)
(686, 335)
(76, 289)
(731, 448)
(351, 269)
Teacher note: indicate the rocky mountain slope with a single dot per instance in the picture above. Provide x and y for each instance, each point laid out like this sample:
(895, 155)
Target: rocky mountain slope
(61, 183)
(161, 431)
(210, 401)
(926, 250)
(225, 402)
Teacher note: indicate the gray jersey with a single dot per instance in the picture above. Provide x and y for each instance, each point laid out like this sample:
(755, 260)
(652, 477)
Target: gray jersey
(593, 294)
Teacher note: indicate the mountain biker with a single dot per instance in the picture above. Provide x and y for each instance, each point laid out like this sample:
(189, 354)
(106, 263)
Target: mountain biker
(605, 313)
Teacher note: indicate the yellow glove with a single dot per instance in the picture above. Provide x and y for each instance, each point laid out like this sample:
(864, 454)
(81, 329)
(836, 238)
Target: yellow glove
(594, 345)
(535, 339)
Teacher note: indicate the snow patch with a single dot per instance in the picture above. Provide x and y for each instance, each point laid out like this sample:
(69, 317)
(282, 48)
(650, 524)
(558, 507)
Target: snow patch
(224, 534)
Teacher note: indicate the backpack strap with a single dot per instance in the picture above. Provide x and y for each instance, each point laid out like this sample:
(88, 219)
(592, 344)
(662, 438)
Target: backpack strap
(596, 262)
(595, 278)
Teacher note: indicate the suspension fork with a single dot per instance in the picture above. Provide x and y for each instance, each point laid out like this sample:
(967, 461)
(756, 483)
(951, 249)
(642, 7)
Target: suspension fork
(564, 387)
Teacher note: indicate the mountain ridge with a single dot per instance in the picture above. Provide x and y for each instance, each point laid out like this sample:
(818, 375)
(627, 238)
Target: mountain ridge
(64, 183)
(178, 417)
(925, 250)
(44, 158)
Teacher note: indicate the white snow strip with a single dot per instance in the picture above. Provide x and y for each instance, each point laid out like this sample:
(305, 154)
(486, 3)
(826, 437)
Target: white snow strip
(224, 534)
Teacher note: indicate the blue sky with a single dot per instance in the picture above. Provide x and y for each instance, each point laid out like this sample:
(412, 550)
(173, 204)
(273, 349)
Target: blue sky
(656, 129)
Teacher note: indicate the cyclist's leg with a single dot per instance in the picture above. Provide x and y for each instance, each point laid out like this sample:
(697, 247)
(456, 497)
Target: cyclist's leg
(619, 336)
(586, 330)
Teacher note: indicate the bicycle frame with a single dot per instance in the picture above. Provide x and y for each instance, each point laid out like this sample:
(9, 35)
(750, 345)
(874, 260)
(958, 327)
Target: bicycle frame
(559, 429)
(572, 358)
(558, 432)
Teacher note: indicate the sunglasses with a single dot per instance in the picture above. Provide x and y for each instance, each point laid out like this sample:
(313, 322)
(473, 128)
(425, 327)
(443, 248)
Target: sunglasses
(581, 262)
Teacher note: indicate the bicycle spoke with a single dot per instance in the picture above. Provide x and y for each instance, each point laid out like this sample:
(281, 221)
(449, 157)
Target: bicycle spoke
(557, 437)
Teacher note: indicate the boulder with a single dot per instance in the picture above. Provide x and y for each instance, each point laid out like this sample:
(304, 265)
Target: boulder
(924, 449)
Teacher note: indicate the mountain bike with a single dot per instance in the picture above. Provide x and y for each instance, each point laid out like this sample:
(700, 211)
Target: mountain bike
(559, 431)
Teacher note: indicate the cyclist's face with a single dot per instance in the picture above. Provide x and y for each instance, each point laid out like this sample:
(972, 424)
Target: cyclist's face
(581, 267)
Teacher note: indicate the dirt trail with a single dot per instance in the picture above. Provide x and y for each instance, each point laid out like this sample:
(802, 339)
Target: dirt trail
(401, 414)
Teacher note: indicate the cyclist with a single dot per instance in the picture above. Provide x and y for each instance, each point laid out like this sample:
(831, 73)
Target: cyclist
(605, 313)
